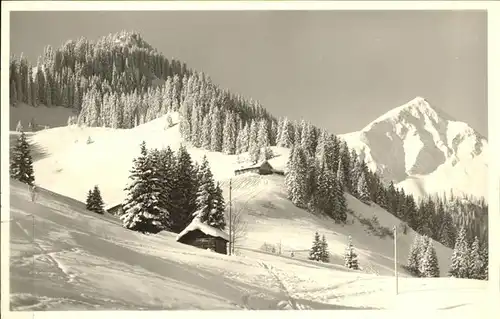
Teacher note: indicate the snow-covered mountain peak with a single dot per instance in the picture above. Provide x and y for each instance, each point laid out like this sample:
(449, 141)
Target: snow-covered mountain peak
(416, 140)
(418, 108)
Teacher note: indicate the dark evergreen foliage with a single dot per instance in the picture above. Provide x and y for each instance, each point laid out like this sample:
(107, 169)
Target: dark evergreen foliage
(21, 165)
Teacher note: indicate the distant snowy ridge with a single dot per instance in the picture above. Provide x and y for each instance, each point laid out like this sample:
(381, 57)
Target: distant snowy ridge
(424, 150)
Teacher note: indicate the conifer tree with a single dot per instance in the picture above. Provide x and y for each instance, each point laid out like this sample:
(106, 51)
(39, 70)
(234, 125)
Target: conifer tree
(326, 190)
(21, 166)
(205, 202)
(447, 229)
(315, 252)
(350, 256)
(229, 137)
(459, 259)
(340, 203)
(475, 263)
(325, 254)
(184, 190)
(263, 134)
(297, 178)
(141, 209)
(284, 137)
(362, 189)
(424, 243)
(484, 263)
(430, 267)
(413, 263)
(253, 142)
(207, 127)
(89, 203)
(97, 202)
(216, 137)
(242, 140)
(217, 218)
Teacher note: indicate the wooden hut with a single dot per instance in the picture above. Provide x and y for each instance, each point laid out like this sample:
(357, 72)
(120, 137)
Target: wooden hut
(263, 168)
(203, 236)
(115, 209)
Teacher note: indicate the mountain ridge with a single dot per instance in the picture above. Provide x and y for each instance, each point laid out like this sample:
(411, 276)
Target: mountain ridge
(416, 143)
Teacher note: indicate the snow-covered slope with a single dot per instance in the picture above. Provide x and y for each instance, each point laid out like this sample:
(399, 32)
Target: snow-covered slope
(71, 167)
(85, 261)
(424, 150)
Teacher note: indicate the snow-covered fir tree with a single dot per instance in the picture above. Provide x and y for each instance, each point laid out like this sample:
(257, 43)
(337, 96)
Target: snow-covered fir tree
(205, 200)
(242, 139)
(253, 142)
(315, 252)
(284, 138)
(325, 190)
(413, 263)
(459, 267)
(425, 241)
(475, 263)
(94, 201)
(21, 165)
(325, 254)
(340, 204)
(184, 189)
(141, 209)
(217, 218)
(230, 134)
(362, 189)
(89, 202)
(430, 267)
(484, 263)
(297, 178)
(216, 138)
(350, 256)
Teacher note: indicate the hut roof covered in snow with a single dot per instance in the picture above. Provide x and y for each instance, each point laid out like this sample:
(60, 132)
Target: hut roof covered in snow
(196, 224)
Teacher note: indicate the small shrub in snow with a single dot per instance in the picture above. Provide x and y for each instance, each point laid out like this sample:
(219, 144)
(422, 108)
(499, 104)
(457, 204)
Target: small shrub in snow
(268, 248)
(170, 123)
(32, 189)
(90, 140)
(385, 232)
(32, 125)
(403, 227)
(94, 201)
(19, 127)
(350, 256)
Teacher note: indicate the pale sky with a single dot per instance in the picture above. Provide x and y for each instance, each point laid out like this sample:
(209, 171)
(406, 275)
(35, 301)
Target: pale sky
(338, 69)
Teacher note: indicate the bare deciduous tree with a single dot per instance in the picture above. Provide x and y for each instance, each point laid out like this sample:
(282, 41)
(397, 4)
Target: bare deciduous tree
(32, 190)
(238, 226)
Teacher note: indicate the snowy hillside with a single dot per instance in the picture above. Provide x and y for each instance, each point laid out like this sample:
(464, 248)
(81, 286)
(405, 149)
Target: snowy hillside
(424, 150)
(71, 167)
(84, 261)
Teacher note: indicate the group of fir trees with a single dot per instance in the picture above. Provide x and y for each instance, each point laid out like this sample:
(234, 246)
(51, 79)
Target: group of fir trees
(319, 250)
(422, 259)
(316, 176)
(21, 164)
(469, 260)
(168, 190)
(94, 201)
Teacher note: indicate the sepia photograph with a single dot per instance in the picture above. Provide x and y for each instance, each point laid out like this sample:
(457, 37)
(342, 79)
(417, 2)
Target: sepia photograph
(246, 160)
